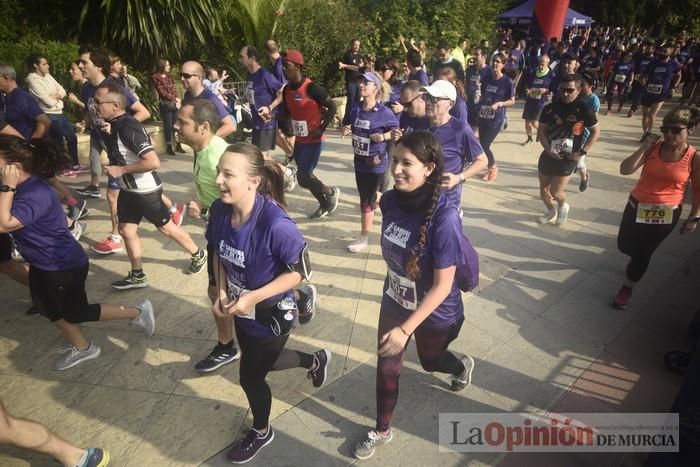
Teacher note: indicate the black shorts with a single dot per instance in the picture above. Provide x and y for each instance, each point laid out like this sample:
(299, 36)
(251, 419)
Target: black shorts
(61, 294)
(555, 167)
(210, 265)
(5, 248)
(265, 139)
(132, 207)
(650, 99)
(367, 185)
(532, 114)
(285, 125)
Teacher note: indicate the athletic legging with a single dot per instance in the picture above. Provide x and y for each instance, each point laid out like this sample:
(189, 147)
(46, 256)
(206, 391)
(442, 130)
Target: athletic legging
(636, 95)
(260, 355)
(432, 351)
(639, 241)
(487, 134)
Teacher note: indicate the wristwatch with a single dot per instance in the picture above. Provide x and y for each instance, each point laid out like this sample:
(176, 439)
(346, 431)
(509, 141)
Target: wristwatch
(6, 188)
(461, 178)
(693, 218)
(583, 152)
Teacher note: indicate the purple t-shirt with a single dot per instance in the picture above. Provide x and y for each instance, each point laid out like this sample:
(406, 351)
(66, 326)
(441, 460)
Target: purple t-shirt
(399, 236)
(459, 110)
(211, 97)
(278, 70)
(261, 90)
(460, 147)
(255, 253)
(492, 91)
(371, 157)
(409, 124)
(44, 241)
(21, 112)
(622, 72)
(659, 76)
(87, 96)
(421, 76)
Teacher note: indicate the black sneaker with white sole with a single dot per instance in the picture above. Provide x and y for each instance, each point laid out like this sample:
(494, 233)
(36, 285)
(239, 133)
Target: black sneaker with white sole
(319, 372)
(220, 356)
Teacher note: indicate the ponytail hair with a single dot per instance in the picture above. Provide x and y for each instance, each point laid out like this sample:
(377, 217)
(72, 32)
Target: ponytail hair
(40, 157)
(270, 172)
(426, 148)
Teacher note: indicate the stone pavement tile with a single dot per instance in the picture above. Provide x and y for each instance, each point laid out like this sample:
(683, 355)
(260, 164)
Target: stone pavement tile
(179, 315)
(115, 418)
(156, 364)
(24, 342)
(186, 431)
(6, 381)
(498, 318)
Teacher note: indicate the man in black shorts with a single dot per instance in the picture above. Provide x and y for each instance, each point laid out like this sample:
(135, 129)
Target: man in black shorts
(133, 161)
(561, 132)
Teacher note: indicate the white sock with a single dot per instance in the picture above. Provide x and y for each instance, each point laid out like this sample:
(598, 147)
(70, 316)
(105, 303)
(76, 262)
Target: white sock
(116, 238)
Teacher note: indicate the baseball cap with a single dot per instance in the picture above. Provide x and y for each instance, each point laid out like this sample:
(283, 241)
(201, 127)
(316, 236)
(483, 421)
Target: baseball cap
(294, 56)
(441, 88)
(369, 76)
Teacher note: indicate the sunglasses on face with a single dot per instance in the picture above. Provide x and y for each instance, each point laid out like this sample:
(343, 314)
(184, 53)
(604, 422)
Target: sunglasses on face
(409, 103)
(434, 100)
(674, 130)
(186, 75)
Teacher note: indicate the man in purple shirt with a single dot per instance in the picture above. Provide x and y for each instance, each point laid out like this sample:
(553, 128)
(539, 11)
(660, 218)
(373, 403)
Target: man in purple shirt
(285, 133)
(415, 67)
(413, 117)
(21, 110)
(192, 75)
(261, 89)
(464, 156)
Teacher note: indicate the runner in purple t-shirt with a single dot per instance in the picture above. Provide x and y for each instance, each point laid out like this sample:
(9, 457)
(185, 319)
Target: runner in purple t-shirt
(285, 132)
(259, 258)
(660, 79)
(421, 235)
(58, 266)
(371, 127)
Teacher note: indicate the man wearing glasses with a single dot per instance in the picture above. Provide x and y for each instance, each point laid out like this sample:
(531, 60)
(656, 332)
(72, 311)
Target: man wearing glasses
(561, 134)
(192, 74)
(413, 117)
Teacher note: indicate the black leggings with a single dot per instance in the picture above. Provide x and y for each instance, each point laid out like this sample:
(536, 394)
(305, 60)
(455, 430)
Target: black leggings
(260, 355)
(639, 241)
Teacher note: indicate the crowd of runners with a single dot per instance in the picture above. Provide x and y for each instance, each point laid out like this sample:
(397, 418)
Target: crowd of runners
(420, 126)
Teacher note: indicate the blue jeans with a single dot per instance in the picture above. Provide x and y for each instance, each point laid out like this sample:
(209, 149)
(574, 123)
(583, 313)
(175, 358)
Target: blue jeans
(61, 129)
(168, 116)
(353, 100)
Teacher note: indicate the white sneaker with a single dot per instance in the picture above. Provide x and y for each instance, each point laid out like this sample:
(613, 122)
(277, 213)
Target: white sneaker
(359, 244)
(145, 320)
(77, 230)
(548, 216)
(562, 214)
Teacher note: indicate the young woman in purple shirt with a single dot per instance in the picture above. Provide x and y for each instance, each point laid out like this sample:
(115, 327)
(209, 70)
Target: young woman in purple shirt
(420, 243)
(259, 258)
(58, 266)
(370, 124)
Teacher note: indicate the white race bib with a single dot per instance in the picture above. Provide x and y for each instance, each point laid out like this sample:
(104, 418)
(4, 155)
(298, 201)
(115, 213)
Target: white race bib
(235, 291)
(563, 146)
(402, 290)
(535, 94)
(620, 78)
(654, 213)
(300, 128)
(360, 145)
(487, 112)
(654, 88)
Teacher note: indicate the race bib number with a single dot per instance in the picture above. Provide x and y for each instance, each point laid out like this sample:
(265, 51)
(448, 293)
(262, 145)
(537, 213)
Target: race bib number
(654, 88)
(620, 78)
(235, 291)
(402, 290)
(563, 146)
(654, 214)
(300, 128)
(250, 95)
(487, 112)
(535, 94)
(360, 145)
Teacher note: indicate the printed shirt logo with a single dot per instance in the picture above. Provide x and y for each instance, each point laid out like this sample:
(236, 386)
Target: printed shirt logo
(397, 235)
(232, 255)
(491, 88)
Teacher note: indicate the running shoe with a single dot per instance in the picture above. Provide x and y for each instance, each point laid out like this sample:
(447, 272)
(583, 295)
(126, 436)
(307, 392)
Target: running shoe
(319, 213)
(644, 136)
(131, 281)
(180, 149)
(463, 379)
(96, 457)
(77, 230)
(247, 448)
(108, 246)
(68, 174)
(178, 214)
(318, 374)
(76, 212)
(169, 150)
(623, 298)
(548, 216)
(359, 244)
(80, 168)
(146, 319)
(629, 114)
(492, 173)
(307, 302)
(333, 199)
(528, 141)
(290, 178)
(365, 448)
(91, 191)
(198, 261)
(72, 357)
(563, 214)
(218, 357)
(585, 182)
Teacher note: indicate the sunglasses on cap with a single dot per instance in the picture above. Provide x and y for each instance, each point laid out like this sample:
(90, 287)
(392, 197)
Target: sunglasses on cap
(432, 99)
(674, 130)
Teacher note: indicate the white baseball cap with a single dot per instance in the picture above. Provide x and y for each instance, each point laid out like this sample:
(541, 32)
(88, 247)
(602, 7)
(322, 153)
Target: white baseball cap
(441, 88)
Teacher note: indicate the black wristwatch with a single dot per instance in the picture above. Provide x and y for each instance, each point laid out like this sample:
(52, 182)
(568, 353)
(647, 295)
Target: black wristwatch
(6, 188)
(583, 152)
(694, 219)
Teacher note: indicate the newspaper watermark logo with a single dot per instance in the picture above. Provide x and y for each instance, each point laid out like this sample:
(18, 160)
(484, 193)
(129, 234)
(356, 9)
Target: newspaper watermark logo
(552, 432)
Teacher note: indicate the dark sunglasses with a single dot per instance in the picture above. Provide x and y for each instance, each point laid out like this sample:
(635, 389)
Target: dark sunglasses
(567, 90)
(674, 130)
(409, 103)
(186, 75)
(433, 99)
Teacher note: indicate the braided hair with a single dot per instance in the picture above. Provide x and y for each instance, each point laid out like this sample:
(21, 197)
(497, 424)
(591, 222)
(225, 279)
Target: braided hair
(426, 148)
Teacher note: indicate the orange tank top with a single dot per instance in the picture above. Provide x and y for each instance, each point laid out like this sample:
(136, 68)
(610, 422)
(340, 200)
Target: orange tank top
(664, 182)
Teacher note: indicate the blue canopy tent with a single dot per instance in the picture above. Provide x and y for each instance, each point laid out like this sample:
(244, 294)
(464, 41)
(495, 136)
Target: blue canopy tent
(522, 15)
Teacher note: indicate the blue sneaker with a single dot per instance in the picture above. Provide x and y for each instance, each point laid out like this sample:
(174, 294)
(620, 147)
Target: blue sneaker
(96, 458)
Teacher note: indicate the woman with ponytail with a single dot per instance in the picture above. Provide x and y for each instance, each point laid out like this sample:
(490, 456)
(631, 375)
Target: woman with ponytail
(260, 256)
(420, 240)
(58, 266)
